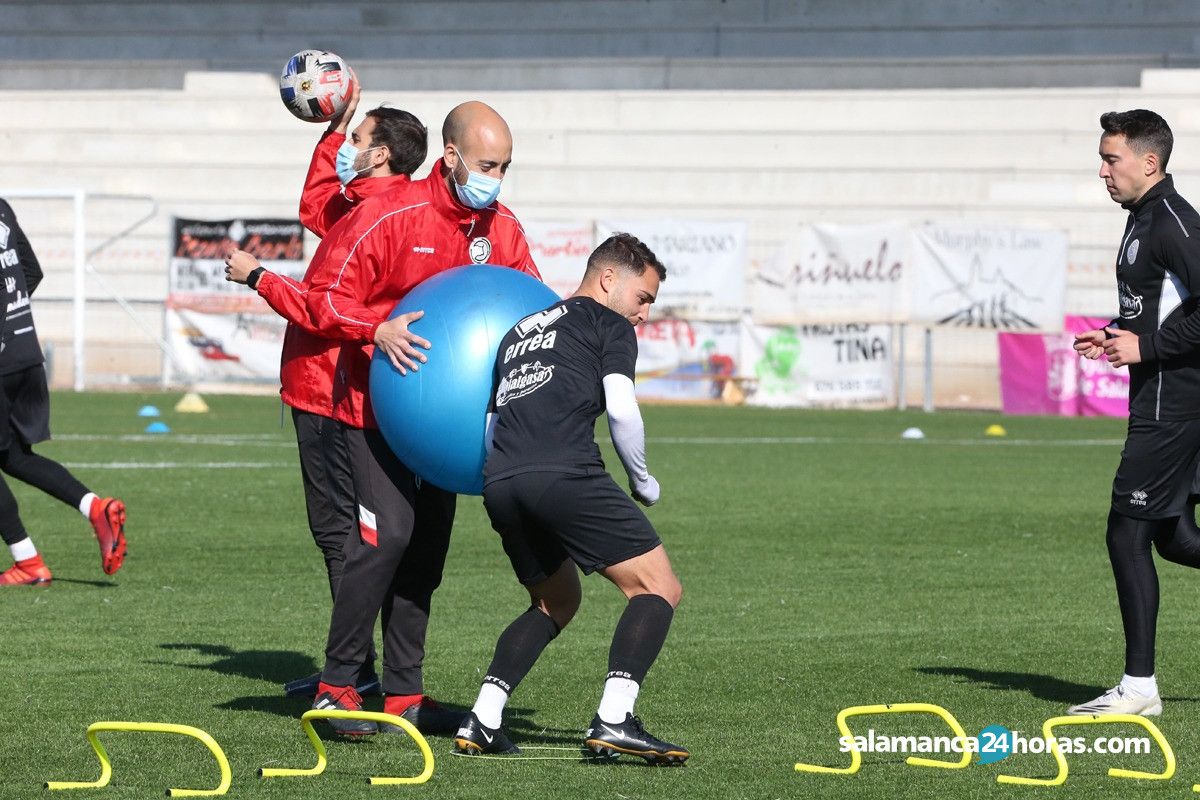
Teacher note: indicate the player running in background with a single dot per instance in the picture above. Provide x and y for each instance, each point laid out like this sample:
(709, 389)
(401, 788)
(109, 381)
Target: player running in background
(379, 155)
(556, 508)
(25, 409)
(1157, 335)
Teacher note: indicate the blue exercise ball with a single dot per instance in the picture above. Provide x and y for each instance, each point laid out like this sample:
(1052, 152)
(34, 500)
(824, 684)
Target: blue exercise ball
(433, 419)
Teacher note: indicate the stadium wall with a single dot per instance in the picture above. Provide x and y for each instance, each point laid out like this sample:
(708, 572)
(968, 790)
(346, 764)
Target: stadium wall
(223, 146)
(500, 45)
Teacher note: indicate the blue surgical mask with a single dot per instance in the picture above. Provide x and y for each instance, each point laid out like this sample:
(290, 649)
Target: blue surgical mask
(344, 162)
(480, 190)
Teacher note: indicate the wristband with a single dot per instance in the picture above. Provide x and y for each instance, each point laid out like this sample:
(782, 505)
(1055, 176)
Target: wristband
(252, 278)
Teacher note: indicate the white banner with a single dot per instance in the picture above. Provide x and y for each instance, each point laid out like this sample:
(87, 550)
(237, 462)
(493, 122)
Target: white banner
(221, 331)
(818, 365)
(989, 277)
(560, 250)
(226, 348)
(686, 360)
(705, 261)
(837, 273)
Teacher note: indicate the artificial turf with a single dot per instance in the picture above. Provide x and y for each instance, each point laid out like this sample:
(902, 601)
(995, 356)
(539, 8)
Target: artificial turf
(826, 562)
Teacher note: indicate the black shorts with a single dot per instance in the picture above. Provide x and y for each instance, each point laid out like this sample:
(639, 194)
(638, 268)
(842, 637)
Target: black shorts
(544, 518)
(25, 405)
(1158, 467)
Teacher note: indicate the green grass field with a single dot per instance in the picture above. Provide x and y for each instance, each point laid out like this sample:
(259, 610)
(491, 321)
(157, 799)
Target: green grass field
(825, 563)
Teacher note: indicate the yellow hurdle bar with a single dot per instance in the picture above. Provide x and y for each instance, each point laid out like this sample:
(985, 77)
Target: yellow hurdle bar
(1097, 719)
(96, 728)
(322, 761)
(893, 708)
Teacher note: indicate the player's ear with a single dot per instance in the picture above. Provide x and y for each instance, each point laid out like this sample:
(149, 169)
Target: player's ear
(1151, 163)
(608, 279)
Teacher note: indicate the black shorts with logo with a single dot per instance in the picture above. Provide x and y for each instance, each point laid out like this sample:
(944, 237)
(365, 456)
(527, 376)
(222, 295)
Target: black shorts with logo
(544, 518)
(24, 407)
(1158, 467)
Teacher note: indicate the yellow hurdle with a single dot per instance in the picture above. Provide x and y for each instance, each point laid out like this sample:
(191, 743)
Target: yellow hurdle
(96, 728)
(893, 708)
(1097, 719)
(373, 716)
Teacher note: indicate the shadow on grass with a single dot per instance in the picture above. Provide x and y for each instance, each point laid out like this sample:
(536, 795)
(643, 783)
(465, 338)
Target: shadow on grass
(525, 730)
(277, 666)
(517, 720)
(280, 666)
(80, 582)
(1043, 687)
(275, 704)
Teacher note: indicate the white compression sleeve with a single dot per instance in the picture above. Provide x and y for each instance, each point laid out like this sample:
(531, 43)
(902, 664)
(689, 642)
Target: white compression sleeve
(625, 423)
(489, 433)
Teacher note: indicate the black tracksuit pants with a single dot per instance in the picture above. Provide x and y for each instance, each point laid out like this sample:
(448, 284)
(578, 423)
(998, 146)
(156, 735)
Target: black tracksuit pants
(393, 564)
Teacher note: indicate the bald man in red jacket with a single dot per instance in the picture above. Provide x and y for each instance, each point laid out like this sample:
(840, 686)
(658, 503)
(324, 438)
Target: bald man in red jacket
(386, 247)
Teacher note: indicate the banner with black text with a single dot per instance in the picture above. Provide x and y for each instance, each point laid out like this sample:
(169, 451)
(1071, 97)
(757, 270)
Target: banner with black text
(817, 365)
(705, 261)
(221, 331)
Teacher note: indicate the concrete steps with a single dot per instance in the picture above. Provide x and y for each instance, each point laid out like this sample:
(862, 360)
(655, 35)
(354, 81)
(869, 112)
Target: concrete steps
(223, 146)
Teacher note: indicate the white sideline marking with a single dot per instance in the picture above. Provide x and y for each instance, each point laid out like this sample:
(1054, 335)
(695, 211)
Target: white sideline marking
(180, 465)
(269, 440)
(85, 437)
(895, 441)
(230, 440)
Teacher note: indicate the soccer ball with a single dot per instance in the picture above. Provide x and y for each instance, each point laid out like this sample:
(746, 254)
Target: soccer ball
(316, 85)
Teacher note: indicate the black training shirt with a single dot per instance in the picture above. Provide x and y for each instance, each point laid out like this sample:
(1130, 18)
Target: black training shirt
(549, 387)
(22, 273)
(1158, 287)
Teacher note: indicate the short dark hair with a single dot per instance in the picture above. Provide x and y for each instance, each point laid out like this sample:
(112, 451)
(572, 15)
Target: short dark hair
(1144, 131)
(406, 138)
(624, 251)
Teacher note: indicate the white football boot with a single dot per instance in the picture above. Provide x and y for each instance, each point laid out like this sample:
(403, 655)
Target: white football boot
(1118, 700)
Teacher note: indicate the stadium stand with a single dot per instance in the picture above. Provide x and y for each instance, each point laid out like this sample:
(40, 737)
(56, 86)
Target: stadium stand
(949, 111)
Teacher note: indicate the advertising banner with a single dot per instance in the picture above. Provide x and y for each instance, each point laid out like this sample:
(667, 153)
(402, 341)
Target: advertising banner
(818, 365)
(1042, 374)
(836, 274)
(686, 360)
(560, 250)
(223, 331)
(705, 261)
(977, 276)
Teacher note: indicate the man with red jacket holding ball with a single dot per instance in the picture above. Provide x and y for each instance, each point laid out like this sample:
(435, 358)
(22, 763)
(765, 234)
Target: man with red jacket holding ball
(377, 156)
(387, 247)
(367, 263)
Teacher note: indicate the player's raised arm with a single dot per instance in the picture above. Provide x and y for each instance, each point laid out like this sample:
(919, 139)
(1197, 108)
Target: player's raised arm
(321, 201)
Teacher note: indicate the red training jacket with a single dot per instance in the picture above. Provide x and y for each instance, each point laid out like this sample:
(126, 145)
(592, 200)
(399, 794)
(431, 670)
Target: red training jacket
(388, 246)
(308, 361)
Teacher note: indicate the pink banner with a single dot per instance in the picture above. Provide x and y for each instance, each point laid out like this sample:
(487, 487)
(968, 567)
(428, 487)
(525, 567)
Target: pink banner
(1042, 374)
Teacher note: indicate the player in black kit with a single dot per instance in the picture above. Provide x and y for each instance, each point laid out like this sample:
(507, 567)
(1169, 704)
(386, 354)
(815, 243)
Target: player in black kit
(25, 421)
(1157, 335)
(556, 508)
